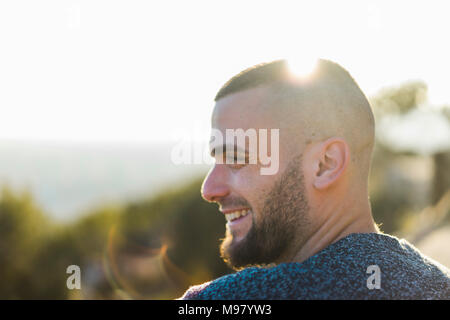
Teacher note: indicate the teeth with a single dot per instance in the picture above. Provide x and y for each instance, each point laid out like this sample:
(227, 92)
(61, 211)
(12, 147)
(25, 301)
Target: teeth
(236, 214)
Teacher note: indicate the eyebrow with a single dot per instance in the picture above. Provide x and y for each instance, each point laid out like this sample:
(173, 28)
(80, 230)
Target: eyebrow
(224, 147)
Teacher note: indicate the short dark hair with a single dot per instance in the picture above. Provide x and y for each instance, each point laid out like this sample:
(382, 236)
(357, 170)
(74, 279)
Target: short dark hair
(278, 71)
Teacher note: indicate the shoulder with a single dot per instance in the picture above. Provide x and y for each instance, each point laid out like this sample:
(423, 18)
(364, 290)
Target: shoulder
(320, 277)
(340, 271)
(250, 283)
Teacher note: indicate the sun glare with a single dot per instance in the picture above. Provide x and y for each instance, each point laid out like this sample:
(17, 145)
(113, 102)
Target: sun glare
(302, 67)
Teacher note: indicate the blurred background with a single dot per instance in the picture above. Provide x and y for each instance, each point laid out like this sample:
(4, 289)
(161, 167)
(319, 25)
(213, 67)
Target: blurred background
(95, 95)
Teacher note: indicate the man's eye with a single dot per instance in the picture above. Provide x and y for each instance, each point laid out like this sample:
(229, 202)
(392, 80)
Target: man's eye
(236, 159)
(232, 159)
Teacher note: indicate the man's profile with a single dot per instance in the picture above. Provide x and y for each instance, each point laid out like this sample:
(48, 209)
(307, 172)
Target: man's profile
(307, 231)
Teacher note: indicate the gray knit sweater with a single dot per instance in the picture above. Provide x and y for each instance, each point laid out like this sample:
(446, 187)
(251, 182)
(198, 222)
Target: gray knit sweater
(359, 266)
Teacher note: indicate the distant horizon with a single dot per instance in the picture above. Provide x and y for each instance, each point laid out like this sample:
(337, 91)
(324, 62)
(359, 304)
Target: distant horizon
(70, 179)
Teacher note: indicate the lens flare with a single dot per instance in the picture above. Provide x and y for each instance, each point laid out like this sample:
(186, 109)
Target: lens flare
(126, 270)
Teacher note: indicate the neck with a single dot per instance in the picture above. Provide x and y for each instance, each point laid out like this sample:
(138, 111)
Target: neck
(340, 221)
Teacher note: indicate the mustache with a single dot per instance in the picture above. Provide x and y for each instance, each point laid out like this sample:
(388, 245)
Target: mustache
(232, 203)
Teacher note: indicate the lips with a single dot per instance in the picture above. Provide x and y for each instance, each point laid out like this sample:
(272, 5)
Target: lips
(239, 222)
(234, 215)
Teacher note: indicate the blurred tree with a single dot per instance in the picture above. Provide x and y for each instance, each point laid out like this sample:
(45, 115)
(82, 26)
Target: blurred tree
(399, 100)
(441, 177)
(188, 226)
(82, 243)
(22, 231)
(389, 205)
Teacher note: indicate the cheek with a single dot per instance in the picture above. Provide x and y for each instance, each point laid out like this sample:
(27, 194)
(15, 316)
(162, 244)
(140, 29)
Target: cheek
(245, 185)
(248, 184)
(256, 189)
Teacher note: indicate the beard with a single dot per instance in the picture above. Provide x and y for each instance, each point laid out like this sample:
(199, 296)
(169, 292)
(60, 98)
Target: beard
(283, 224)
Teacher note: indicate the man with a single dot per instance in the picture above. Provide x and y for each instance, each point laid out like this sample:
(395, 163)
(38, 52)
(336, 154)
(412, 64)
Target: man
(306, 232)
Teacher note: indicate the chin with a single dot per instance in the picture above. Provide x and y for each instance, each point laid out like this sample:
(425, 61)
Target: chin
(234, 252)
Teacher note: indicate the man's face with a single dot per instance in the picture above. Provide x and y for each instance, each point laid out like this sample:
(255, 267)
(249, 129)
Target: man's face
(274, 209)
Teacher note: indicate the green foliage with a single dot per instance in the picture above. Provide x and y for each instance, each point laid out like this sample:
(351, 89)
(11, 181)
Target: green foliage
(184, 223)
(22, 233)
(34, 254)
(399, 100)
(195, 235)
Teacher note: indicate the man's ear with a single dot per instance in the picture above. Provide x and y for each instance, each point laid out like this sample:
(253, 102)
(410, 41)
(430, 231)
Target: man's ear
(332, 159)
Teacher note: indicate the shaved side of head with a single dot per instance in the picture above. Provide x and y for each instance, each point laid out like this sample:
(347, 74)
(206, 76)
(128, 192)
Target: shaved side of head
(326, 103)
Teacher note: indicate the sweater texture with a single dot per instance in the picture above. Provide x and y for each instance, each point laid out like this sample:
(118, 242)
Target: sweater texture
(358, 266)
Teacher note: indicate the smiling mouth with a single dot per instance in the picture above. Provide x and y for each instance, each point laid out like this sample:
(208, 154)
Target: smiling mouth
(235, 215)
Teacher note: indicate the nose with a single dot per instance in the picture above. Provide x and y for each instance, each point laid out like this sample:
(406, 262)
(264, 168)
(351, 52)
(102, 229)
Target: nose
(215, 184)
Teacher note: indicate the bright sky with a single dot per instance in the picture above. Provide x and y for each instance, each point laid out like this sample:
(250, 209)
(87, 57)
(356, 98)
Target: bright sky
(145, 70)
